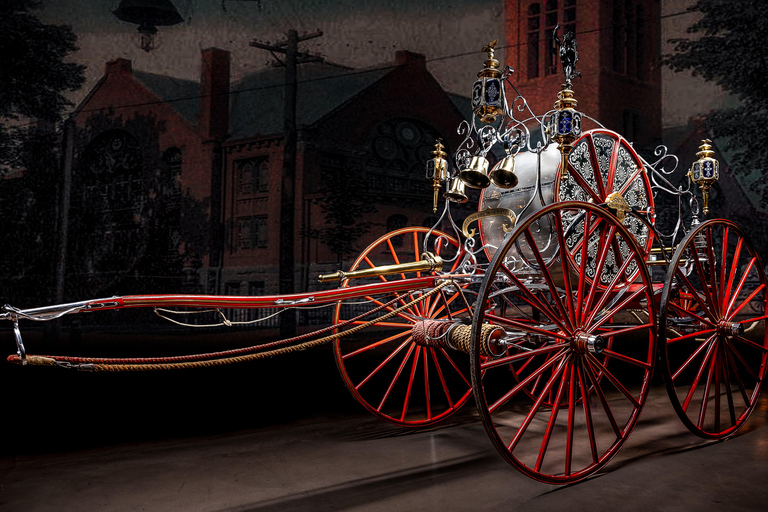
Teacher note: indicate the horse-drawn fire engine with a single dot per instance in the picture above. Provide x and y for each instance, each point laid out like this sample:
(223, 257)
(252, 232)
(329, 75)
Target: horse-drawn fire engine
(547, 313)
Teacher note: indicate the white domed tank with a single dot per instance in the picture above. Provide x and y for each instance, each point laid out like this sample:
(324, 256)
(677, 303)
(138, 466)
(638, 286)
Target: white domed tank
(492, 228)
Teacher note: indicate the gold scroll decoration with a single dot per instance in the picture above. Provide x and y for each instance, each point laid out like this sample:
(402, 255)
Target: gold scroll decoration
(489, 212)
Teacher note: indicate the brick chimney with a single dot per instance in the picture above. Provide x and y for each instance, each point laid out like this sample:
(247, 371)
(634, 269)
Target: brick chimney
(405, 58)
(214, 92)
(118, 66)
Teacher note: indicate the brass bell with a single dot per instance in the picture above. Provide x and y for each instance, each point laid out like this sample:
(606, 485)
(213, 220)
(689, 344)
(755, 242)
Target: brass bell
(476, 175)
(503, 173)
(456, 192)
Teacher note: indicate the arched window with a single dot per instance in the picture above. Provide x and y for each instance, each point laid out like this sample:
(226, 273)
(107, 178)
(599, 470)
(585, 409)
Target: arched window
(534, 25)
(252, 175)
(172, 160)
(541, 26)
(395, 164)
(550, 22)
(112, 172)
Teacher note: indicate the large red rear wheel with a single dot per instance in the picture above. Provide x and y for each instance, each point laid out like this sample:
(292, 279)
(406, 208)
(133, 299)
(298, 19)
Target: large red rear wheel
(567, 393)
(713, 329)
(382, 366)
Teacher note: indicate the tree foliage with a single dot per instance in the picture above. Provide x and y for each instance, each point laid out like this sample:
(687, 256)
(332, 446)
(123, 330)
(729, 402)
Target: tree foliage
(344, 209)
(726, 47)
(34, 73)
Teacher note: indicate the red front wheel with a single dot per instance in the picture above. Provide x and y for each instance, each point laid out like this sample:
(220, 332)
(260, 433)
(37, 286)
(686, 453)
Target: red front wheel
(564, 398)
(383, 367)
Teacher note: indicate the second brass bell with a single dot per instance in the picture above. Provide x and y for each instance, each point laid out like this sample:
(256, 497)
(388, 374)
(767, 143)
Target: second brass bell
(476, 174)
(503, 173)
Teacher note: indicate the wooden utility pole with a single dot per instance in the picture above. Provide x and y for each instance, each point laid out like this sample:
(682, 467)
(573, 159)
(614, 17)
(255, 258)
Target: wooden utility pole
(290, 49)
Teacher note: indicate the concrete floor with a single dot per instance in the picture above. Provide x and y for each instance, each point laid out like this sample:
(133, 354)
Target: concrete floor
(344, 460)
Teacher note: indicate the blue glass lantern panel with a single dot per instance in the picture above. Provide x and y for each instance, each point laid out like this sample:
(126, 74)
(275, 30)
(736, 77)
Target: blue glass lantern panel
(493, 92)
(708, 169)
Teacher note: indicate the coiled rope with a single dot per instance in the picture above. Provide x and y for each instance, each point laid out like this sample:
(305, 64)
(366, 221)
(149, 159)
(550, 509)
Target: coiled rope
(185, 362)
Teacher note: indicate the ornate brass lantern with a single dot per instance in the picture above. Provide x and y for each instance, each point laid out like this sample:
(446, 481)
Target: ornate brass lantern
(437, 170)
(705, 171)
(487, 91)
(565, 123)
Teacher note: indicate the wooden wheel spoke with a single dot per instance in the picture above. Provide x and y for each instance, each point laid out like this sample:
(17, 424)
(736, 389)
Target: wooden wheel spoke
(724, 266)
(627, 330)
(553, 415)
(689, 313)
(410, 381)
(520, 385)
(713, 273)
(583, 269)
(602, 255)
(737, 374)
(384, 362)
(453, 363)
(751, 343)
(707, 387)
(426, 383)
(696, 379)
(732, 273)
(603, 399)
(728, 391)
(730, 312)
(627, 359)
(592, 360)
(442, 378)
(527, 355)
(390, 309)
(534, 301)
(704, 278)
(628, 183)
(688, 336)
(525, 327)
(586, 187)
(693, 292)
(536, 406)
(607, 315)
(571, 414)
(707, 342)
(377, 344)
(565, 268)
(548, 278)
(396, 377)
(587, 412)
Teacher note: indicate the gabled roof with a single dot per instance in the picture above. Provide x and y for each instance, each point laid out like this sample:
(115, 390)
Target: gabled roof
(256, 102)
(181, 95)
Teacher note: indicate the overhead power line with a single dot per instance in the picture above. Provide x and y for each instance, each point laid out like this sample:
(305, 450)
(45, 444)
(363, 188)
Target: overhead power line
(348, 74)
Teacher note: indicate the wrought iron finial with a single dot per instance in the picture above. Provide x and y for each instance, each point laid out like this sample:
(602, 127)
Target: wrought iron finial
(568, 54)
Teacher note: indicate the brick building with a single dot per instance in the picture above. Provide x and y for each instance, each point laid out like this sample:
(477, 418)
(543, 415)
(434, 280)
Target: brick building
(619, 48)
(176, 185)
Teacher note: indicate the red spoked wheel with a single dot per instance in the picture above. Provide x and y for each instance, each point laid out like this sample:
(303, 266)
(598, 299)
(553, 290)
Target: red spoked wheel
(567, 393)
(383, 367)
(713, 329)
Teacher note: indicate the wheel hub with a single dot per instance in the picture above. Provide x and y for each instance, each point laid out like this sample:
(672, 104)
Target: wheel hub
(584, 342)
(725, 328)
